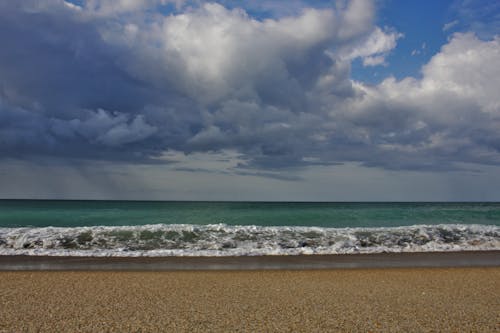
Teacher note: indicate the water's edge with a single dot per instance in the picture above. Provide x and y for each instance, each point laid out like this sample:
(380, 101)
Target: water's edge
(299, 262)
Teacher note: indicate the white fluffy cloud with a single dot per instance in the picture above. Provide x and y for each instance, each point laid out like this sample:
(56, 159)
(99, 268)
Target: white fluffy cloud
(214, 52)
(452, 114)
(375, 47)
(468, 68)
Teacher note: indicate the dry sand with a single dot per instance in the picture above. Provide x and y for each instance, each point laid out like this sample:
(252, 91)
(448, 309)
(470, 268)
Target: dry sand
(364, 300)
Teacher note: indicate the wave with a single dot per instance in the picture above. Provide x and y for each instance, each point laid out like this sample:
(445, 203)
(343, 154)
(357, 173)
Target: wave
(224, 240)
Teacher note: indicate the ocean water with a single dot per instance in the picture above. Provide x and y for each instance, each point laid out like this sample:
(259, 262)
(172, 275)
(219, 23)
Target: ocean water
(144, 228)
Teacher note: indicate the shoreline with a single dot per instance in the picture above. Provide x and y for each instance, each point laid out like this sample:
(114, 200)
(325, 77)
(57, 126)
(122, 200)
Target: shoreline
(249, 263)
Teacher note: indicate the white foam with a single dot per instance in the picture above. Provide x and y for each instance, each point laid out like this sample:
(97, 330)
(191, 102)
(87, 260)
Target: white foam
(223, 240)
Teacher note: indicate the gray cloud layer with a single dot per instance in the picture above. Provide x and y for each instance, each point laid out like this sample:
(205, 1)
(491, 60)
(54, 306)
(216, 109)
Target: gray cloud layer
(126, 83)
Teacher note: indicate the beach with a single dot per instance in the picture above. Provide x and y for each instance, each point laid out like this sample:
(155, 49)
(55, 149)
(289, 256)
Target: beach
(116, 266)
(462, 299)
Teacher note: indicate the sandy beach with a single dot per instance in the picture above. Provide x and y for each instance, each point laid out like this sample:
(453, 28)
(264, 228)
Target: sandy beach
(463, 299)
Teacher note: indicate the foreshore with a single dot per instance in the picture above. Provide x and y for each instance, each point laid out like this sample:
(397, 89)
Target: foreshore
(324, 300)
(414, 292)
(299, 262)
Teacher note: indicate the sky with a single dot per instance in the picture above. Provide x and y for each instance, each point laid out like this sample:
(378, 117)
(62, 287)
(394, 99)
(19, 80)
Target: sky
(384, 100)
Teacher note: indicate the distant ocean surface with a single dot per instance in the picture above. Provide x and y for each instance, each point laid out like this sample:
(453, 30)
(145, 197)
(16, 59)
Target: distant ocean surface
(146, 228)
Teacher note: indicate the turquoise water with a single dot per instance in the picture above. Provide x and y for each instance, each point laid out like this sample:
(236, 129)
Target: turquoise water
(58, 213)
(140, 228)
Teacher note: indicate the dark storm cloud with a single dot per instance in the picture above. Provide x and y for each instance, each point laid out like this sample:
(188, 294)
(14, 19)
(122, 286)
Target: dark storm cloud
(60, 61)
(65, 91)
(121, 83)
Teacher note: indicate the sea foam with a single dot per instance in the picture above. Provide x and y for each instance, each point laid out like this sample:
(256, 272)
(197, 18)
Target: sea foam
(224, 240)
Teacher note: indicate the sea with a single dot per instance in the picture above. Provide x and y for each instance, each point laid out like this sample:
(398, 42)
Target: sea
(180, 228)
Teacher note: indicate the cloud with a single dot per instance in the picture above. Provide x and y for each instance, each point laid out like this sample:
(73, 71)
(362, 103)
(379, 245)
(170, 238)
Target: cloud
(118, 81)
(109, 129)
(452, 114)
(374, 60)
(450, 25)
(375, 47)
(117, 7)
(478, 16)
(422, 50)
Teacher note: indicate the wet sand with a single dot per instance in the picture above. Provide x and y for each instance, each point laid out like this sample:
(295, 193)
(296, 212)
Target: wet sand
(301, 262)
(463, 299)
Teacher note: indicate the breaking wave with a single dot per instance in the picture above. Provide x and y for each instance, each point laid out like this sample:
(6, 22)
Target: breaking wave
(224, 240)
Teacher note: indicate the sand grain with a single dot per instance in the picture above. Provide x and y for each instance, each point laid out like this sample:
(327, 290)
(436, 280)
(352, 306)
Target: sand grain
(375, 300)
